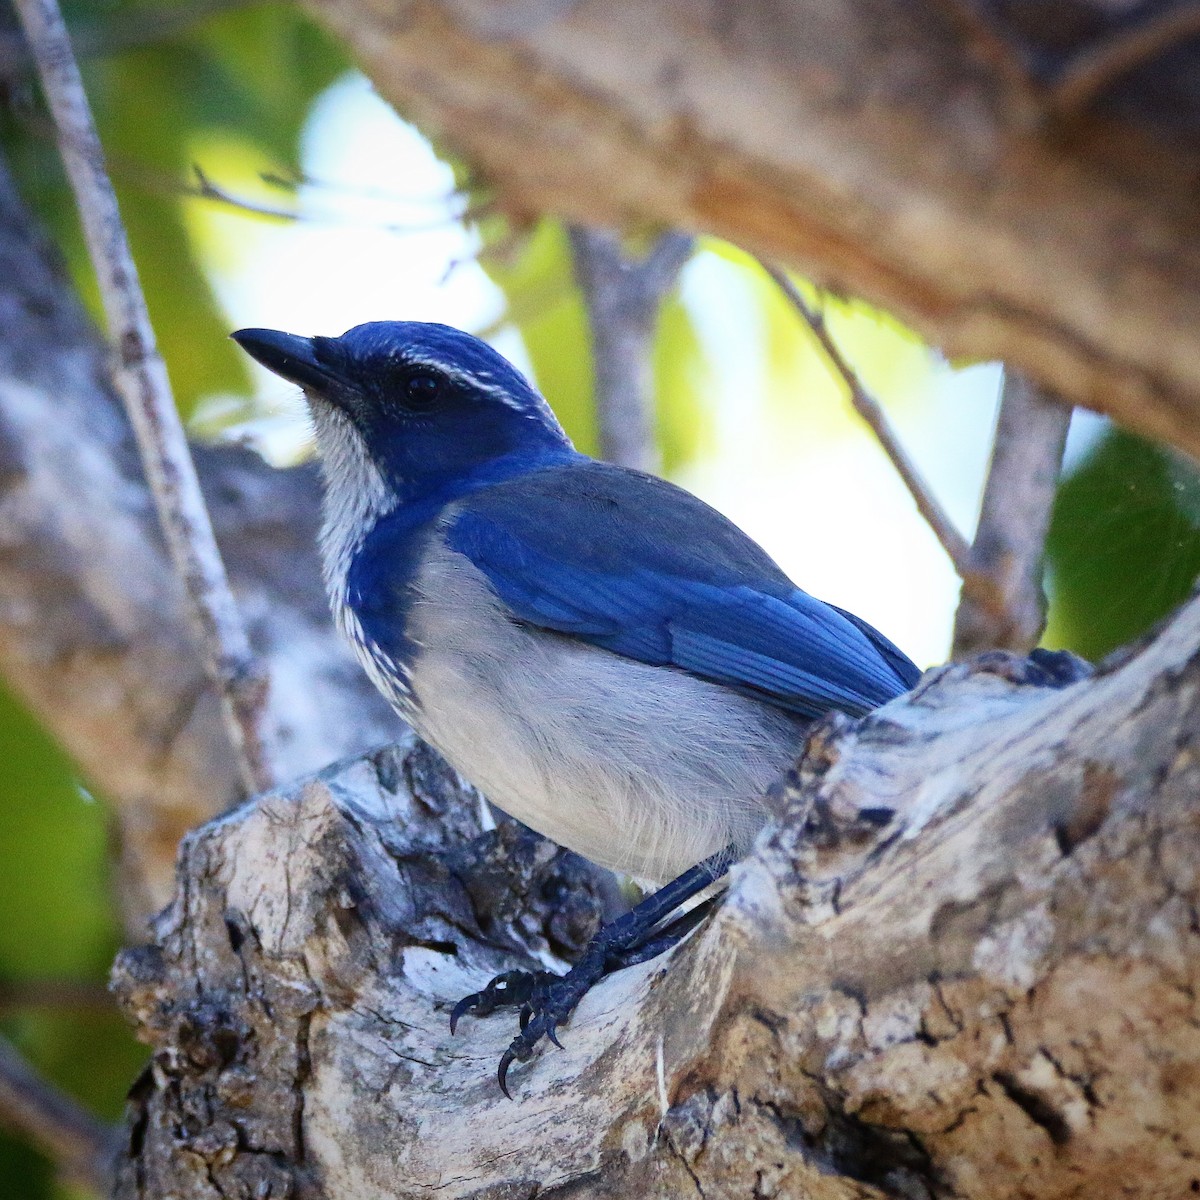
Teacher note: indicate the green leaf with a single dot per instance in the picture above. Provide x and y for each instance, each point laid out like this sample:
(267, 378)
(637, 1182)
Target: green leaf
(1124, 544)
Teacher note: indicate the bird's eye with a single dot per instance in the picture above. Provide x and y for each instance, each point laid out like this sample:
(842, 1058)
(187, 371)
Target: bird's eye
(422, 388)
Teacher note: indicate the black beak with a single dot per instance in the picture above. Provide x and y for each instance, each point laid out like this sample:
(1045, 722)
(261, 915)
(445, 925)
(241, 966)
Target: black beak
(289, 355)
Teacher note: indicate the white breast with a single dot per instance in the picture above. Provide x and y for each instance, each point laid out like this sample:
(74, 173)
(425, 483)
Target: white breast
(639, 768)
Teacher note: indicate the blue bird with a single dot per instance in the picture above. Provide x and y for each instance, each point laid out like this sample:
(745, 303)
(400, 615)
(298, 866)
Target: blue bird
(606, 657)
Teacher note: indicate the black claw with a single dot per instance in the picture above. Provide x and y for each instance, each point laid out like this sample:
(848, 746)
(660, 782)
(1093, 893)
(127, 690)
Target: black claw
(552, 1035)
(502, 1071)
(509, 990)
(460, 1010)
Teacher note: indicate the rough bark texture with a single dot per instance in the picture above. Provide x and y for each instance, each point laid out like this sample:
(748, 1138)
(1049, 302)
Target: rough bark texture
(964, 963)
(94, 633)
(915, 154)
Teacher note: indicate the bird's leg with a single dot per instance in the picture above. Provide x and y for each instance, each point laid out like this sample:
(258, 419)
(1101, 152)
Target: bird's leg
(665, 937)
(546, 1001)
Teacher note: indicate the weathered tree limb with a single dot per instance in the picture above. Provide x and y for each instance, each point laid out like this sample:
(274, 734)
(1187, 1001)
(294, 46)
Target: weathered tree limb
(965, 963)
(93, 625)
(1003, 603)
(624, 295)
(140, 378)
(864, 144)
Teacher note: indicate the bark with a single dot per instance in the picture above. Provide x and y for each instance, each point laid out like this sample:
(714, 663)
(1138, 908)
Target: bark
(963, 963)
(1003, 603)
(929, 157)
(94, 633)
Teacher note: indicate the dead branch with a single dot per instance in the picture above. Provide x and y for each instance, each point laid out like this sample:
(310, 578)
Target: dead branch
(206, 188)
(623, 296)
(141, 380)
(872, 412)
(1003, 604)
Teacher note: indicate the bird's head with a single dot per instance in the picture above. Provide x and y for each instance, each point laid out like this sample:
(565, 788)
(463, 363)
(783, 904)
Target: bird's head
(429, 407)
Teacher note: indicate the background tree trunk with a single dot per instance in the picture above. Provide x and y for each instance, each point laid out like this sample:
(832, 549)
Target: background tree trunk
(93, 631)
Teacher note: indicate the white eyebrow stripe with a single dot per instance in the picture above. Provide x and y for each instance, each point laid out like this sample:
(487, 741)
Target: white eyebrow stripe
(480, 381)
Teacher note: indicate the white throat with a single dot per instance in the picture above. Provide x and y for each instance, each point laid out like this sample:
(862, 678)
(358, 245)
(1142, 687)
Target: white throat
(356, 496)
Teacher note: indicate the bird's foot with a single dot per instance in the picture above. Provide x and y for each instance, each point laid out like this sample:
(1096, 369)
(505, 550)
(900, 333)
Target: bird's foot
(513, 989)
(545, 1001)
(551, 1006)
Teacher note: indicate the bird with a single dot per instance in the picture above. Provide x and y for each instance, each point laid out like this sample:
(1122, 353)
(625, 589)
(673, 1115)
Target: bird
(606, 657)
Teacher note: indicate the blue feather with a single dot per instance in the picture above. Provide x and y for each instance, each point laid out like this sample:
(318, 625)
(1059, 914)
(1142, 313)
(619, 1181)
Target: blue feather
(637, 566)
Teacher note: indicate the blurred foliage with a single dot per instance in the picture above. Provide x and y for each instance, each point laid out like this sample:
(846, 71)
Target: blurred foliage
(58, 924)
(234, 89)
(1124, 544)
(545, 306)
(802, 392)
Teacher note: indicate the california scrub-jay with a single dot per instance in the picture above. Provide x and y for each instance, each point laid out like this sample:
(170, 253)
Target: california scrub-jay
(605, 656)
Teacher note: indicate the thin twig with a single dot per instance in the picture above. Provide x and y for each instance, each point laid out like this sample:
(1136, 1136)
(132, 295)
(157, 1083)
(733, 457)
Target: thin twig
(206, 189)
(294, 181)
(872, 412)
(141, 380)
(623, 297)
(1091, 70)
(1003, 606)
(31, 1106)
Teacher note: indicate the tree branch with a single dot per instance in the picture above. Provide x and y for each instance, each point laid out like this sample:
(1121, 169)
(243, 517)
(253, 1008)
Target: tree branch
(872, 412)
(869, 149)
(141, 379)
(623, 297)
(1003, 604)
(82, 1147)
(964, 962)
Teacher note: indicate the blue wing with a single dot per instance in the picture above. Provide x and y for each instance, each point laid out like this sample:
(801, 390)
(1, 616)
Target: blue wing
(639, 567)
